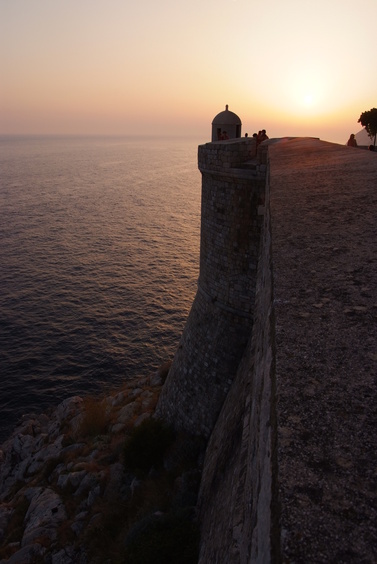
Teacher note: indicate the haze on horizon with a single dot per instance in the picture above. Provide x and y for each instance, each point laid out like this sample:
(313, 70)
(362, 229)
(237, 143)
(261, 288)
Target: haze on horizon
(121, 67)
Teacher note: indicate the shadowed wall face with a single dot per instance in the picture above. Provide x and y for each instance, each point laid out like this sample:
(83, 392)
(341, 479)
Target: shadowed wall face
(229, 241)
(221, 317)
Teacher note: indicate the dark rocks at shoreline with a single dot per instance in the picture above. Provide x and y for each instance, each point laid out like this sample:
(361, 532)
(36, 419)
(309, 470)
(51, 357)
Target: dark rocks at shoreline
(64, 484)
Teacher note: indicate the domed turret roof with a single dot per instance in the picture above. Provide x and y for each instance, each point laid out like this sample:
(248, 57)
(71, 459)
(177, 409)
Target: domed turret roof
(226, 117)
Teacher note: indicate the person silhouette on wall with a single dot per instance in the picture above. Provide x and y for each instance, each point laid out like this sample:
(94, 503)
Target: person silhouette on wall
(262, 136)
(352, 141)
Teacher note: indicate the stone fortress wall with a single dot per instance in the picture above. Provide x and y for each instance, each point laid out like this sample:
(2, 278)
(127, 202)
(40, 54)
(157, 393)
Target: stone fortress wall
(284, 384)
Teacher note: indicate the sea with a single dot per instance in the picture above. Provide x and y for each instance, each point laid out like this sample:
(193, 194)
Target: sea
(99, 260)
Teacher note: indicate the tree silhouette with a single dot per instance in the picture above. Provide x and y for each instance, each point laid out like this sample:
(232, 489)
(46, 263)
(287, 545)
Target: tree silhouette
(369, 121)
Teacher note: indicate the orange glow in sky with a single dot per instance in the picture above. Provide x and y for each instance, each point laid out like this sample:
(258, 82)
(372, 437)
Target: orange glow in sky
(293, 67)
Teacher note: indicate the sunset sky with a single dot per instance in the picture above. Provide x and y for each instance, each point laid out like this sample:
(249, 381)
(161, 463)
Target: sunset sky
(293, 67)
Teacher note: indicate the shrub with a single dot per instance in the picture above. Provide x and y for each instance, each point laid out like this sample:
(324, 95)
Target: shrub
(147, 445)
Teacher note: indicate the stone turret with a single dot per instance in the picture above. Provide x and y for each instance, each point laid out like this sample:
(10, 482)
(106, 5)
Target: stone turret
(228, 122)
(221, 317)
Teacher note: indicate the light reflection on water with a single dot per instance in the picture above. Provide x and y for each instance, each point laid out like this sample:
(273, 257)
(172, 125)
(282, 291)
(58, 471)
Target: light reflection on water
(99, 260)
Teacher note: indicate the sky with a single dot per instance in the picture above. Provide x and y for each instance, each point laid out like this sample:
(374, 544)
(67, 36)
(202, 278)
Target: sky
(167, 67)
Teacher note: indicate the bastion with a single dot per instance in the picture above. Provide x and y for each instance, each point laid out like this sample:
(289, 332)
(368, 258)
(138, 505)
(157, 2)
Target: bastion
(277, 364)
(220, 321)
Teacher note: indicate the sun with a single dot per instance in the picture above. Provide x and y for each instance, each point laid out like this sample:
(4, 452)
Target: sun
(308, 100)
(305, 90)
(308, 93)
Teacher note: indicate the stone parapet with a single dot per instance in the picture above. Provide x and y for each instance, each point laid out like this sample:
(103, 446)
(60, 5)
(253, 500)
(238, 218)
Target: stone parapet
(221, 155)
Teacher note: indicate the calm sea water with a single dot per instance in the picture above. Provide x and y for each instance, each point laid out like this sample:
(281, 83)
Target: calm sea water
(99, 260)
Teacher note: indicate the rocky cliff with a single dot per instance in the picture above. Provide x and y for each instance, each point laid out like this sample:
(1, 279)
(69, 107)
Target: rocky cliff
(98, 480)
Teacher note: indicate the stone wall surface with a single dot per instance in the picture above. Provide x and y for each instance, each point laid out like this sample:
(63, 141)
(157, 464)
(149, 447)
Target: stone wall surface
(230, 236)
(207, 357)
